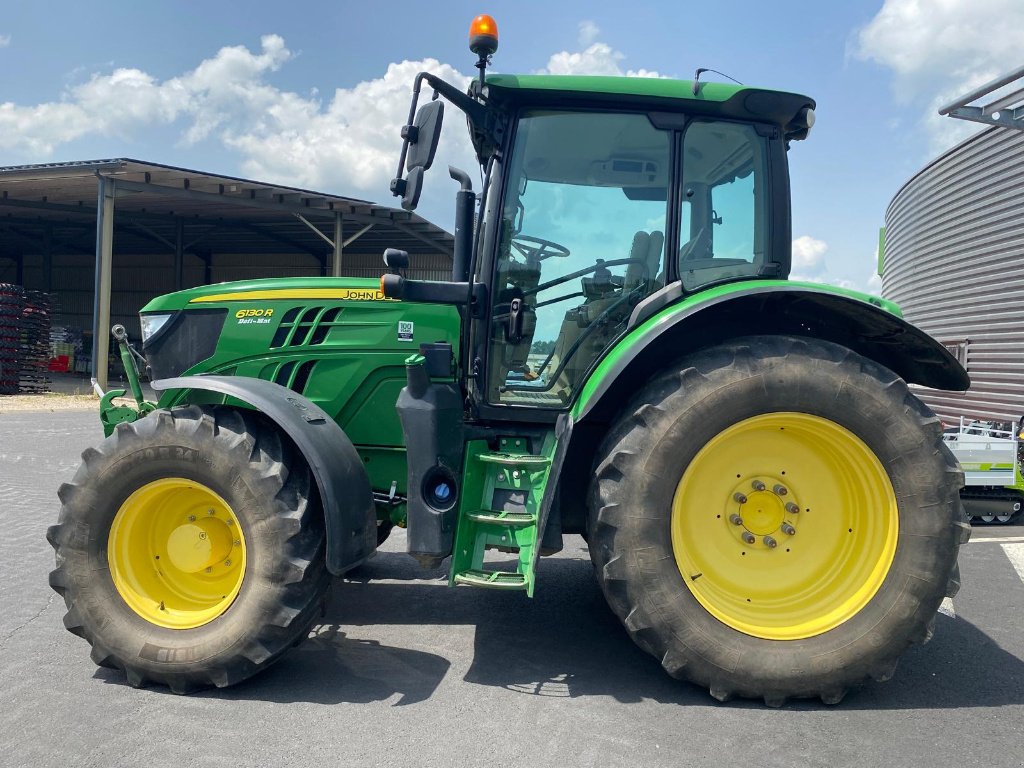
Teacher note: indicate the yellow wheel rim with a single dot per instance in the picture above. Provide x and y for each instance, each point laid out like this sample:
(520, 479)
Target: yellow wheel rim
(784, 526)
(176, 553)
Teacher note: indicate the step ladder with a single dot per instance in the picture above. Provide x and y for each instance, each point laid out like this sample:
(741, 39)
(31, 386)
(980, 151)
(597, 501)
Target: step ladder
(500, 509)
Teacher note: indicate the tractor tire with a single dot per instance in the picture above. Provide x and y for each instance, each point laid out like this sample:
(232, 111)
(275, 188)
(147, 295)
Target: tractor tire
(190, 548)
(776, 517)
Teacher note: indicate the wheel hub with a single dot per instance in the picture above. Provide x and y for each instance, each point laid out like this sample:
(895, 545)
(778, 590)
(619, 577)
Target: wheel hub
(761, 508)
(195, 546)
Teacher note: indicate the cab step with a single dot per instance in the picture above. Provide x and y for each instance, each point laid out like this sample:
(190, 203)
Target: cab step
(493, 579)
(499, 509)
(514, 459)
(501, 517)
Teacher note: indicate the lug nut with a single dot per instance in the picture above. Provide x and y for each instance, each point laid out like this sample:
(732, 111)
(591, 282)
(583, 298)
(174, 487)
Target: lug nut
(788, 529)
(770, 542)
(757, 485)
(191, 518)
(202, 535)
(780, 490)
(748, 537)
(209, 570)
(515, 474)
(209, 511)
(739, 498)
(238, 542)
(792, 508)
(227, 562)
(501, 477)
(735, 519)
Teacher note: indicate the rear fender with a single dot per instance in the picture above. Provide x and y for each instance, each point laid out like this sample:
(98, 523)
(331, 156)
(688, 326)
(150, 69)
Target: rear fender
(715, 316)
(351, 522)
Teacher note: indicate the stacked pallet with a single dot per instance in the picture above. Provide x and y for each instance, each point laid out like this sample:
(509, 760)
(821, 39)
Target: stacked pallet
(34, 352)
(12, 298)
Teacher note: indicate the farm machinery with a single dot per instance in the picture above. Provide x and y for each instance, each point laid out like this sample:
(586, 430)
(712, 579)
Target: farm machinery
(618, 354)
(991, 455)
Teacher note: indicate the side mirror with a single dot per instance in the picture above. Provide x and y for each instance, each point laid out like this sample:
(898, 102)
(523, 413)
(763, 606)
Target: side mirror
(423, 136)
(413, 187)
(396, 260)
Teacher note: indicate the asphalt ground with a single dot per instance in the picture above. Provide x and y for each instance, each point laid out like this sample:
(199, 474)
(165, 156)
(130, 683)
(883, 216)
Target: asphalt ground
(405, 672)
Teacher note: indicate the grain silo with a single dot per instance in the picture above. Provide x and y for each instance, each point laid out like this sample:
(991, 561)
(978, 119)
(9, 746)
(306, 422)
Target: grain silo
(953, 255)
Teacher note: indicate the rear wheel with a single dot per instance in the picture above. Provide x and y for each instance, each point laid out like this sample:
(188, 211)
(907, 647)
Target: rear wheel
(776, 518)
(190, 548)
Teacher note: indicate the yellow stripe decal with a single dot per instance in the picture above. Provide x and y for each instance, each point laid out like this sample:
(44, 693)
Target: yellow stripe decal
(349, 294)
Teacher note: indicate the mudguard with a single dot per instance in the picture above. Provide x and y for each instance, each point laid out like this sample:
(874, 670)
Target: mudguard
(674, 326)
(351, 521)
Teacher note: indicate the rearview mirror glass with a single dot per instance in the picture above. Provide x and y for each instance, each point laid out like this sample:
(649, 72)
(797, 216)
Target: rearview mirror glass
(427, 132)
(413, 187)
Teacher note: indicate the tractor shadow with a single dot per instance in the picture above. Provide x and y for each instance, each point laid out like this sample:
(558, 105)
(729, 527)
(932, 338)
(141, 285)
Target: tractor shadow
(565, 642)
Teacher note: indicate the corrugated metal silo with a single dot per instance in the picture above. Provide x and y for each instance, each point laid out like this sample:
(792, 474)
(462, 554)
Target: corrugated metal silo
(954, 261)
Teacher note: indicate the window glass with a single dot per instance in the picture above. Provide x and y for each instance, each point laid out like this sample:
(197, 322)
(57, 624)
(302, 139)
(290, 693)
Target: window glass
(724, 210)
(582, 244)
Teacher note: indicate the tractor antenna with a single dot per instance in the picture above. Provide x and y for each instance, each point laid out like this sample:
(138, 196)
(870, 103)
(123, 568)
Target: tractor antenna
(702, 70)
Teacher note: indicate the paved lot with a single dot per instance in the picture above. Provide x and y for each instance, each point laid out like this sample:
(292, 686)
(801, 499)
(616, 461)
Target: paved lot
(405, 672)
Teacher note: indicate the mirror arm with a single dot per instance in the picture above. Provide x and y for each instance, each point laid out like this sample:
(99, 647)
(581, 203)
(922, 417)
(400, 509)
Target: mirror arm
(435, 292)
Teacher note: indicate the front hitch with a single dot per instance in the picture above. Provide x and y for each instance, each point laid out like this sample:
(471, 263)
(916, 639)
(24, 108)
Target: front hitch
(111, 415)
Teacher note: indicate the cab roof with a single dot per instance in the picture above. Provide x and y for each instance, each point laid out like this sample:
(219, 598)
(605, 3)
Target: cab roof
(725, 100)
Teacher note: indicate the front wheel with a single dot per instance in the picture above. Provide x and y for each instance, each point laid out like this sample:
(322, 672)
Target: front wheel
(777, 517)
(190, 548)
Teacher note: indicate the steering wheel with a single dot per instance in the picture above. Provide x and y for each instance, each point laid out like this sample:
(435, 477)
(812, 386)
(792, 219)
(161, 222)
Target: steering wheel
(537, 248)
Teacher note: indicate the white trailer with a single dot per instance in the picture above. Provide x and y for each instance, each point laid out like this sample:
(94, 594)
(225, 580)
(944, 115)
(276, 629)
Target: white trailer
(991, 459)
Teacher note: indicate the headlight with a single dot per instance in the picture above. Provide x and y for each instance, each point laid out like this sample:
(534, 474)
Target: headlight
(153, 323)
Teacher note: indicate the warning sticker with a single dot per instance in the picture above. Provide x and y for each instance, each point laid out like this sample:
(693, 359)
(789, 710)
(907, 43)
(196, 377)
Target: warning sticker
(405, 328)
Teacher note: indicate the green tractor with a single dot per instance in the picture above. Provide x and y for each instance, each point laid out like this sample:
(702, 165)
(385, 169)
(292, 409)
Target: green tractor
(618, 354)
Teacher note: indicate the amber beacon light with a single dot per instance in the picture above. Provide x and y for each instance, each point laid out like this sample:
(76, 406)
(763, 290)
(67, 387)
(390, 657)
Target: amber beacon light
(483, 36)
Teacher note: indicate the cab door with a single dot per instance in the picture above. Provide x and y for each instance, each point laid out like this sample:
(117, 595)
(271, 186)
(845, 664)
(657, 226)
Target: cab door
(581, 241)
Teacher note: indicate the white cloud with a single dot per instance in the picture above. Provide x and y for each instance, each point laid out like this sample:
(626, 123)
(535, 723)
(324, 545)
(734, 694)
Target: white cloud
(809, 265)
(349, 143)
(595, 58)
(5, 40)
(228, 86)
(588, 33)
(353, 141)
(809, 256)
(942, 49)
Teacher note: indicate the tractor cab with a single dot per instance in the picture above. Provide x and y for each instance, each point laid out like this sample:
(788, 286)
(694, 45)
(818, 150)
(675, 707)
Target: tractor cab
(604, 198)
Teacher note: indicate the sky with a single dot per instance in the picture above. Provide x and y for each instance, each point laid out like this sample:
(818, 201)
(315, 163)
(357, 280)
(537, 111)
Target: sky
(314, 94)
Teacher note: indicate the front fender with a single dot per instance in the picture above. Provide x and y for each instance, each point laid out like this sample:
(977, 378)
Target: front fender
(742, 309)
(345, 492)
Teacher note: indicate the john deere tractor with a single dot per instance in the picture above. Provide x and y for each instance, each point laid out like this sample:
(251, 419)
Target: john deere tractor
(618, 354)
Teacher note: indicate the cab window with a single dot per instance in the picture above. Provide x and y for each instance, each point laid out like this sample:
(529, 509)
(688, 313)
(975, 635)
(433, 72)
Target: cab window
(724, 205)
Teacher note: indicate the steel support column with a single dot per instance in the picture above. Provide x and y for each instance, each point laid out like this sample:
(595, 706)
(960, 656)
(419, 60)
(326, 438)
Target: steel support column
(179, 254)
(48, 258)
(104, 268)
(339, 245)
